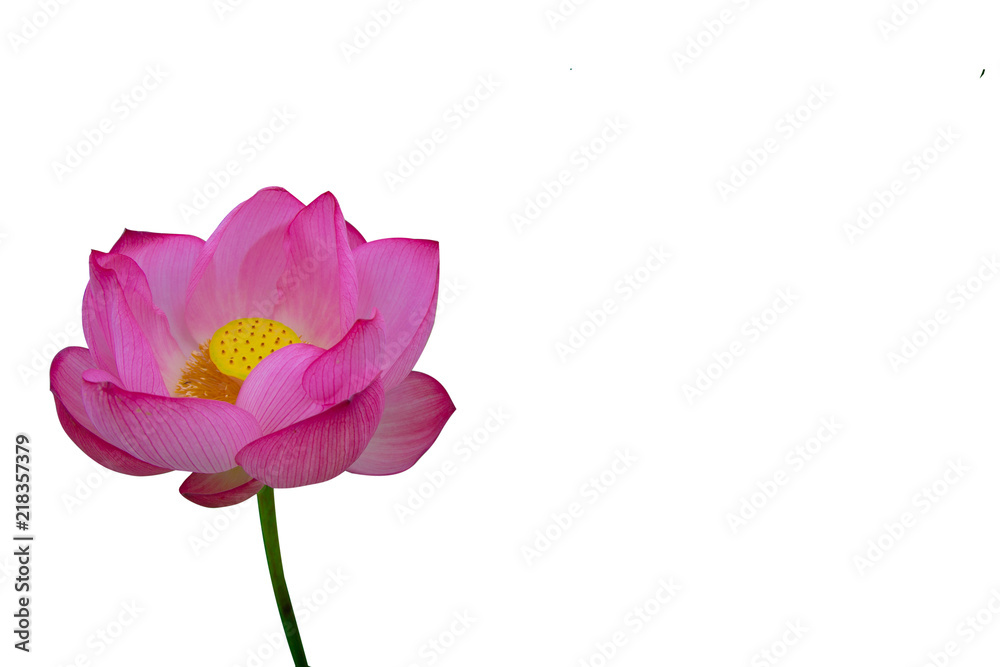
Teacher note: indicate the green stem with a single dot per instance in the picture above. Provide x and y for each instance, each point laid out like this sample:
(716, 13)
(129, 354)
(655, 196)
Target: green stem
(269, 528)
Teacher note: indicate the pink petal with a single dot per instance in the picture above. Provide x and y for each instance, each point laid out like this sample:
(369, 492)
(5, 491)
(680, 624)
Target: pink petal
(319, 288)
(349, 366)
(400, 278)
(318, 448)
(102, 452)
(415, 412)
(167, 260)
(273, 391)
(118, 334)
(194, 434)
(238, 270)
(354, 237)
(151, 320)
(66, 375)
(94, 319)
(220, 489)
(66, 381)
(399, 370)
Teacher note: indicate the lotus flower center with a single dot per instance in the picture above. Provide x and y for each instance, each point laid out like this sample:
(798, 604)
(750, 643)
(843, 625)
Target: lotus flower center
(237, 347)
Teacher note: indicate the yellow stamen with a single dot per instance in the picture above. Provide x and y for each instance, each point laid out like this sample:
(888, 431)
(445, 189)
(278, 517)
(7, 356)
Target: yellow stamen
(201, 379)
(217, 368)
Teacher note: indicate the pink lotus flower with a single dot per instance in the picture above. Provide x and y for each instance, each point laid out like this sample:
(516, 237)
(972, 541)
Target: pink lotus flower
(279, 352)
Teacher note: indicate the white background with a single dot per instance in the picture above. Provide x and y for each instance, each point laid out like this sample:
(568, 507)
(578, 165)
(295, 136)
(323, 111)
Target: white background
(815, 553)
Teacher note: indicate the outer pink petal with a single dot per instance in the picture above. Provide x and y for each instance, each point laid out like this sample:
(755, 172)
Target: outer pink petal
(415, 412)
(237, 273)
(151, 320)
(118, 334)
(407, 359)
(400, 278)
(66, 376)
(220, 489)
(319, 289)
(100, 347)
(191, 434)
(318, 448)
(349, 366)
(354, 237)
(167, 260)
(273, 391)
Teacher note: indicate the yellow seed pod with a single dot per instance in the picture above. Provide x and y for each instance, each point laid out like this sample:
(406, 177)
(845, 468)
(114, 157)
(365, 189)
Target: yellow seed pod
(237, 347)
